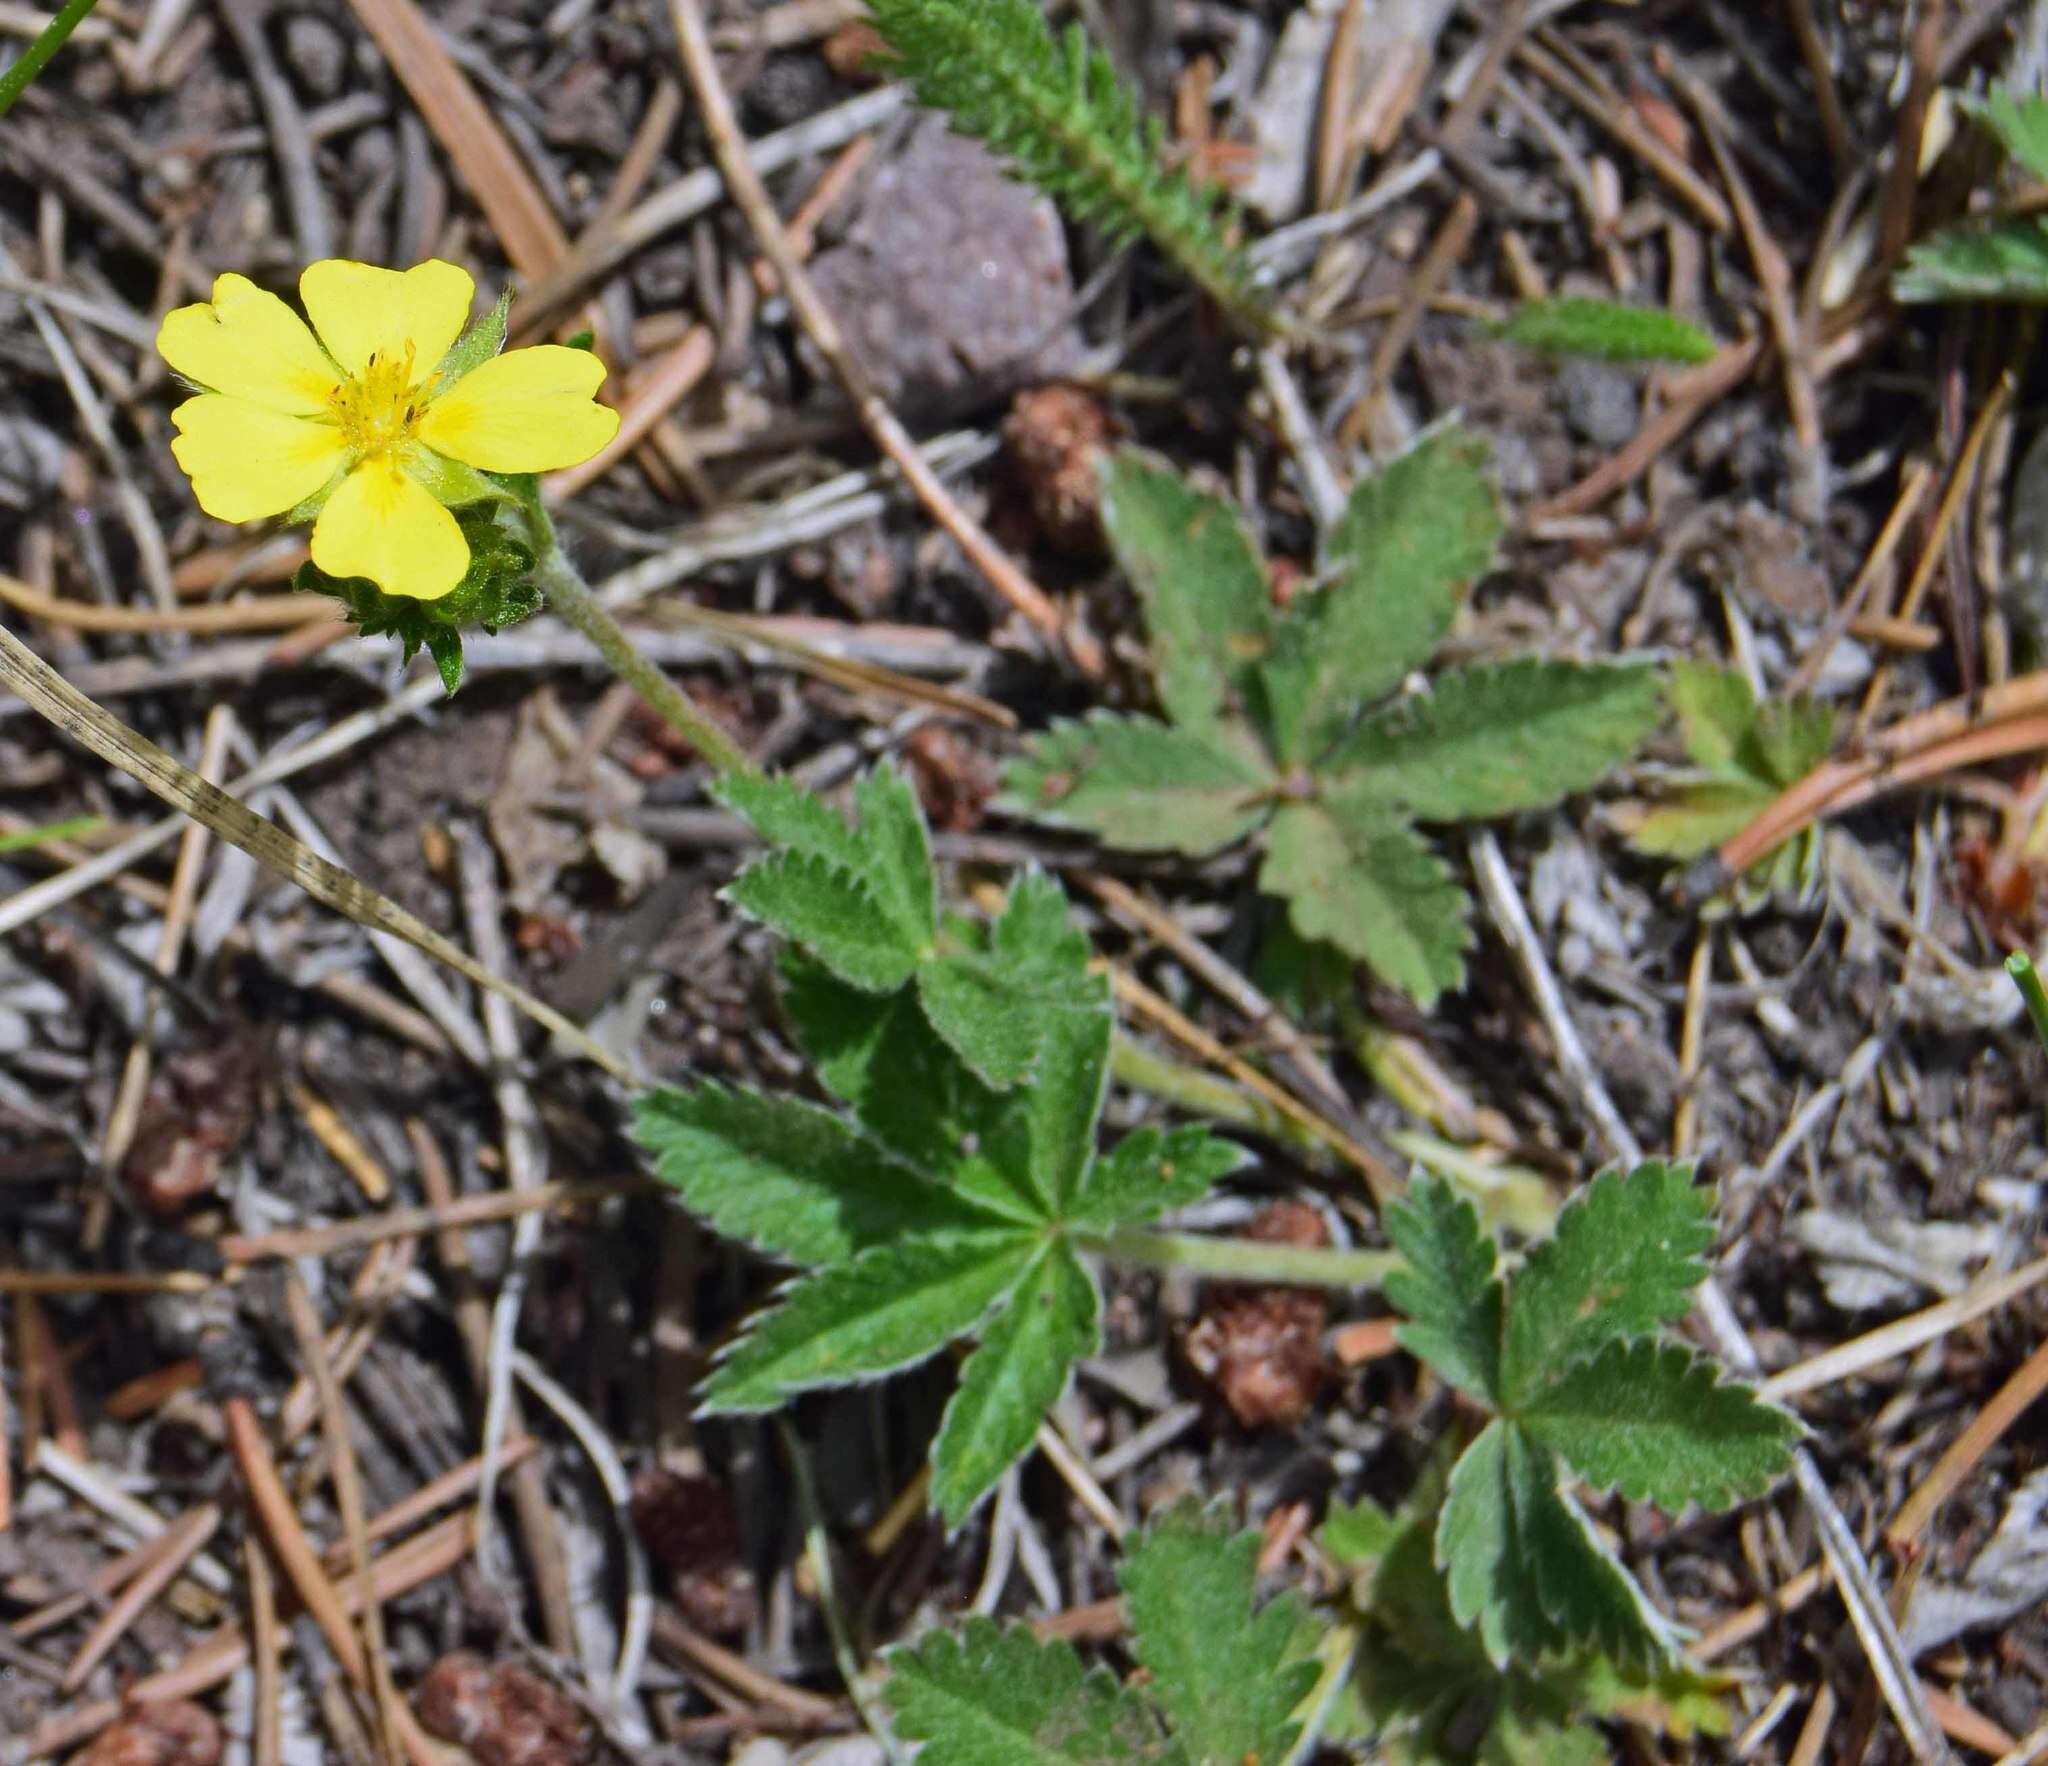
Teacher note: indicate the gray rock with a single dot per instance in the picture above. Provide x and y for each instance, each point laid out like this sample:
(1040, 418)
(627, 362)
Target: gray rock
(952, 281)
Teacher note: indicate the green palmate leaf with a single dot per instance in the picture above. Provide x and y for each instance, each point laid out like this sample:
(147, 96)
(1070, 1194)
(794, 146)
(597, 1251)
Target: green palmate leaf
(896, 851)
(1137, 784)
(1585, 1592)
(832, 914)
(1035, 939)
(2007, 260)
(1449, 1291)
(1625, 1258)
(971, 1004)
(995, 1697)
(1701, 818)
(1658, 1423)
(1788, 740)
(993, 1005)
(1746, 754)
(889, 1308)
(909, 1090)
(1046, 1136)
(1717, 715)
(788, 816)
(1537, 1738)
(2018, 119)
(1607, 329)
(1222, 1676)
(1669, 1698)
(1491, 741)
(1359, 1533)
(1523, 1569)
(1151, 1173)
(1014, 1151)
(1395, 567)
(1056, 109)
(1731, 737)
(1015, 1375)
(787, 1178)
(1367, 882)
(1198, 574)
(860, 902)
(1487, 1565)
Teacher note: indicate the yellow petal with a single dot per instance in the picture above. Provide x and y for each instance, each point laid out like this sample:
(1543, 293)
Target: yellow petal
(382, 525)
(248, 343)
(360, 311)
(247, 461)
(528, 410)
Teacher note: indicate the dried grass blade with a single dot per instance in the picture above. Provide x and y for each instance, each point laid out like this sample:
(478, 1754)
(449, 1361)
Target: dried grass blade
(52, 697)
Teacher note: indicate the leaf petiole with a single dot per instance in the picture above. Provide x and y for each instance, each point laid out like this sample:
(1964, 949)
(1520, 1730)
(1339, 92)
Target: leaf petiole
(1245, 1260)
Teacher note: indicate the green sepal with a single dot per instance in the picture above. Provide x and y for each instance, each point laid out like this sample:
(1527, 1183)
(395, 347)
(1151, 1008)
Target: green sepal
(476, 346)
(495, 592)
(451, 482)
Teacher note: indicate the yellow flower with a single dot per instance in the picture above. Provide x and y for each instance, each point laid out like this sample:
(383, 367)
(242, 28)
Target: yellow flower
(364, 413)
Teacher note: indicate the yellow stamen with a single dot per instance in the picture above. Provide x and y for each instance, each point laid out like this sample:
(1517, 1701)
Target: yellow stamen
(378, 411)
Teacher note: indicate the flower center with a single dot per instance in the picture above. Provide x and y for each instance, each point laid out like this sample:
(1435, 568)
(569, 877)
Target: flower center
(378, 410)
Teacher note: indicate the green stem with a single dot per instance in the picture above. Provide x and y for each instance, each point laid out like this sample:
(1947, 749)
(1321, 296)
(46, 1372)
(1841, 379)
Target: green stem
(2021, 968)
(569, 595)
(1202, 1093)
(1246, 1260)
(32, 60)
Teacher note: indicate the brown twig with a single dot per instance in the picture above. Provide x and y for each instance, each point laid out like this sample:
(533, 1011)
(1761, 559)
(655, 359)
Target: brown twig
(168, 1553)
(1979, 1436)
(1895, 227)
(409, 1223)
(751, 197)
(1820, 69)
(1934, 547)
(259, 613)
(1550, 61)
(303, 1569)
(1691, 395)
(1443, 256)
(1914, 480)
(345, 1480)
(226, 1651)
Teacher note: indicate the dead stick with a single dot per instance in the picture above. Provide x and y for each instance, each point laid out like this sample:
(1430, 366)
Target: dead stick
(751, 197)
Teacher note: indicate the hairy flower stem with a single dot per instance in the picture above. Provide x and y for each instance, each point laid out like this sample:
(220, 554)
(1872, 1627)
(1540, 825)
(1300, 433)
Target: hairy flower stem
(569, 595)
(32, 60)
(1246, 1260)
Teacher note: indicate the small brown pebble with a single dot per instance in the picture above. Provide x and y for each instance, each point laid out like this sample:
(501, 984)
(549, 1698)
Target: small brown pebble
(503, 1714)
(174, 1733)
(1262, 1347)
(200, 1109)
(1056, 436)
(548, 938)
(855, 53)
(690, 1528)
